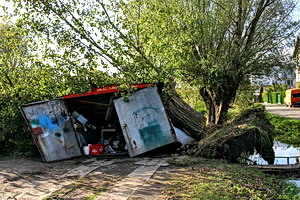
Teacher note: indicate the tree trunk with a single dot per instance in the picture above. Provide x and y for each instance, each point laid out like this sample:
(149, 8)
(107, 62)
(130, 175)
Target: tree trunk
(184, 116)
(218, 101)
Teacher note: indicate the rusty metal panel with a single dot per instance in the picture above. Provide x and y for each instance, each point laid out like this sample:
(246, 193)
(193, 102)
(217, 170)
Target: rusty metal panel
(144, 121)
(52, 130)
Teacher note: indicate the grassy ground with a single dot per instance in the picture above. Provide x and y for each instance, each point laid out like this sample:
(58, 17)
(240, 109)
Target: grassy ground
(87, 189)
(215, 179)
(287, 130)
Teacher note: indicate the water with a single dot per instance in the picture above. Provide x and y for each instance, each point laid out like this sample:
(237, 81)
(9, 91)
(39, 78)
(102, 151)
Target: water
(281, 150)
(296, 182)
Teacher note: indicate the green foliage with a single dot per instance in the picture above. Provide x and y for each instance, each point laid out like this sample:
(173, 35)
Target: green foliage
(244, 100)
(265, 97)
(276, 87)
(126, 91)
(24, 78)
(217, 180)
(191, 96)
(272, 93)
(214, 45)
(287, 130)
(245, 97)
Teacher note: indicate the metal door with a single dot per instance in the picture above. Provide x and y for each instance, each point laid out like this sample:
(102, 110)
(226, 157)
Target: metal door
(52, 130)
(144, 121)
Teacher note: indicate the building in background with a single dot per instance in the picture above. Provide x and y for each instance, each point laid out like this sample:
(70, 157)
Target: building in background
(279, 76)
(296, 57)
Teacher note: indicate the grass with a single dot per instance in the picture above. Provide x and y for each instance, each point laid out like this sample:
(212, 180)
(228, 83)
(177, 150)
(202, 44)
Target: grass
(215, 179)
(287, 130)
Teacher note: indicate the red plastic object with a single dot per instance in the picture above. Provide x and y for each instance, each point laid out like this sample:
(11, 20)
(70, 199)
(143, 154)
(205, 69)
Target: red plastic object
(37, 130)
(96, 149)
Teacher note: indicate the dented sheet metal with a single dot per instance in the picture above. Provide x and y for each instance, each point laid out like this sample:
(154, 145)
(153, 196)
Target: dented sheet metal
(52, 130)
(144, 121)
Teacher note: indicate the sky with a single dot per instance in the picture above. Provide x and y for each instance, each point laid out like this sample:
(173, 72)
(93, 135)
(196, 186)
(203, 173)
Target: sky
(9, 5)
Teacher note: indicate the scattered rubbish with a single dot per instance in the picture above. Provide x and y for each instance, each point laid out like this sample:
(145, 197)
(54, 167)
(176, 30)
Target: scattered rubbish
(86, 150)
(182, 137)
(79, 117)
(62, 128)
(96, 149)
(109, 149)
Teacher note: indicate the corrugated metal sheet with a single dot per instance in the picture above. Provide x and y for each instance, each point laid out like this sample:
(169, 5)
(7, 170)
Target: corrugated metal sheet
(52, 130)
(144, 121)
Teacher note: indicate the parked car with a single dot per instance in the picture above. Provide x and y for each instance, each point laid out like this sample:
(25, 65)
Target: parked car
(292, 97)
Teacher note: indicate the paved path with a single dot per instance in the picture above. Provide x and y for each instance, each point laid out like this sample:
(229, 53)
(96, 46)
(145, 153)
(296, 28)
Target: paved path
(135, 181)
(83, 170)
(281, 110)
(32, 179)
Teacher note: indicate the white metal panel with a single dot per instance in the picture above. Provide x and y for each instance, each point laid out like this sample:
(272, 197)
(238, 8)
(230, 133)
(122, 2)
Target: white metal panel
(52, 130)
(144, 121)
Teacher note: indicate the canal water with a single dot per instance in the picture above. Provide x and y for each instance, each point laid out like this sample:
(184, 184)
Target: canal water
(281, 150)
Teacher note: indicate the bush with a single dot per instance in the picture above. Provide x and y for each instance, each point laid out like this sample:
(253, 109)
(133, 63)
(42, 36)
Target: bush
(270, 96)
(265, 97)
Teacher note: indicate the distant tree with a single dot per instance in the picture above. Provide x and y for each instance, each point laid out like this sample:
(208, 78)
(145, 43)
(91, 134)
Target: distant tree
(17, 80)
(24, 78)
(214, 45)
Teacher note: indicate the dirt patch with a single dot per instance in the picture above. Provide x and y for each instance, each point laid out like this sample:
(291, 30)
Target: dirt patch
(30, 178)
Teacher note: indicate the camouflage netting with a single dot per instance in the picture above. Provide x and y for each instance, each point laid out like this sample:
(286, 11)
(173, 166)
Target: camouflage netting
(251, 131)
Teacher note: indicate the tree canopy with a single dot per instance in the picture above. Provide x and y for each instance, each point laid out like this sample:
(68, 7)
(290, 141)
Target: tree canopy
(214, 45)
(217, 45)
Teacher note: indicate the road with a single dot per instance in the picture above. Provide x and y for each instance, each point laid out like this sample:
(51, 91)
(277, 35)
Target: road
(281, 110)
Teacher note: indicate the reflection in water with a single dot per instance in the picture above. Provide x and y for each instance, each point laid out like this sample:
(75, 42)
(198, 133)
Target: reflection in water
(281, 150)
(296, 182)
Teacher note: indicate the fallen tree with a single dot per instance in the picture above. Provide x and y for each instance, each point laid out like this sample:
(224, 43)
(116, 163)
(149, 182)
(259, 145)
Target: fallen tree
(185, 117)
(249, 132)
(182, 115)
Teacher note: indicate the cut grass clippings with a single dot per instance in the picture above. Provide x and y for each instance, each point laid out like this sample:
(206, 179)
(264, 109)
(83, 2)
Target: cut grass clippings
(214, 179)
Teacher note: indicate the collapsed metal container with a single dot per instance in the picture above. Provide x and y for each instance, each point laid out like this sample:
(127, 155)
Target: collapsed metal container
(61, 127)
